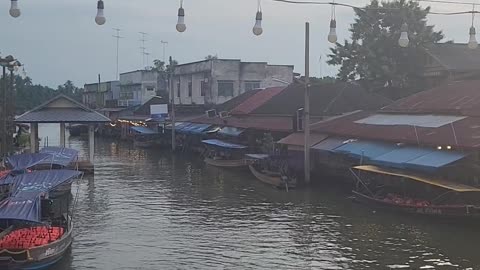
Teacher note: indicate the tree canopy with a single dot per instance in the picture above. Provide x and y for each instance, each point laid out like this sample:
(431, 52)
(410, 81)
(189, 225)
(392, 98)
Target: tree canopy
(374, 55)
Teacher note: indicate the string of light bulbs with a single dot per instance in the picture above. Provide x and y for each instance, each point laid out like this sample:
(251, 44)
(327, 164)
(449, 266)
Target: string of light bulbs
(403, 41)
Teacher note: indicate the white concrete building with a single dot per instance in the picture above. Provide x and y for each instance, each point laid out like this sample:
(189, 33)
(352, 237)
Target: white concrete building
(137, 87)
(218, 80)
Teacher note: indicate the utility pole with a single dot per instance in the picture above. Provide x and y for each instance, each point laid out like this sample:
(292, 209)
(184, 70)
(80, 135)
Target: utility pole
(4, 112)
(307, 104)
(172, 102)
(143, 48)
(164, 43)
(118, 37)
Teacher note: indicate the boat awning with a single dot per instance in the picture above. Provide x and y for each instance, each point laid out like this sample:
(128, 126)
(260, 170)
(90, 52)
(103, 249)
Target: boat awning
(435, 160)
(367, 149)
(397, 158)
(24, 203)
(25, 161)
(434, 182)
(257, 156)
(223, 144)
(61, 156)
(298, 139)
(143, 130)
(231, 131)
(329, 144)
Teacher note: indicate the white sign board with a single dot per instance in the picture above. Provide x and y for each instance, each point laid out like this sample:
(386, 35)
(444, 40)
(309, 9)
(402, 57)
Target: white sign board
(159, 109)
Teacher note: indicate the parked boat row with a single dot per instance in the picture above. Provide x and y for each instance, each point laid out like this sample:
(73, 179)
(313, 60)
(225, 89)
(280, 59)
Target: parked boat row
(36, 219)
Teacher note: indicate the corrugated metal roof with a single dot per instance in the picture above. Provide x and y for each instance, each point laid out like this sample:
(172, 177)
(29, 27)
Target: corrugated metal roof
(298, 139)
(256, 100)
(455, 56)
(74, 113)
(329, 144)
(268, 123)
(410, 120)
(463, 133)
(458, 98)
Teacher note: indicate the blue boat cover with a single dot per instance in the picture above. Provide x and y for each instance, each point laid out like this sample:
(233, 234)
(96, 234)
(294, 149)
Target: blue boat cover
(435, 160)
(231, 131)
(61, 156)
(25, 161)
(24, 203)
(143, 130)
(366, 149)
(399, 157)
(223, 144)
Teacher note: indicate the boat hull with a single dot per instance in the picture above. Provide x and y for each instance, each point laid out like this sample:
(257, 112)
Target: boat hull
(443, 211)
(235, 163)
(36, 258)
(275, 181)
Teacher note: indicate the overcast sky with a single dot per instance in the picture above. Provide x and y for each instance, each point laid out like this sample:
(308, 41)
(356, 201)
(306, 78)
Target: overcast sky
(59, 40)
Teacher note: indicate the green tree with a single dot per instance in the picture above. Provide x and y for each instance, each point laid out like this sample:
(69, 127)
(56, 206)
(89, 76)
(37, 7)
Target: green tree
(163, 74)
(211, 57)
(373, 54)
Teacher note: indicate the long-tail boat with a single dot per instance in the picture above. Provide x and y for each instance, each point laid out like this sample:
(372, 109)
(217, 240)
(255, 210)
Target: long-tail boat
(224, 154)
(256, 164)
(412, 193)
(38, 223)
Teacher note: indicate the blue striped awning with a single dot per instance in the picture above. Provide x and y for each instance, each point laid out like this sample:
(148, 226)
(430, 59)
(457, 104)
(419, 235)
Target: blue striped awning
(435, 160)
(399, 157)
(365, 149)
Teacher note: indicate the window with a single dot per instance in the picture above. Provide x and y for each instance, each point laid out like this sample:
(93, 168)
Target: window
(203, 88)
(190, 89)
(178, 89)
(250, 85)
(150, 89)
(225, 88)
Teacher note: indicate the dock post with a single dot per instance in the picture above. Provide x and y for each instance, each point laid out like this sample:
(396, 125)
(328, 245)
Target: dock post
(62, 134)
(33, 137)
(91, 142)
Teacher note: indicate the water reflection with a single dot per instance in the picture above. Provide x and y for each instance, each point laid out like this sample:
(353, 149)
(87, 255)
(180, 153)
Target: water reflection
(147, 209)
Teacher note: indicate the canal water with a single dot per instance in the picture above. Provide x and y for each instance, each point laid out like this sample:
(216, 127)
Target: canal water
(147, 209)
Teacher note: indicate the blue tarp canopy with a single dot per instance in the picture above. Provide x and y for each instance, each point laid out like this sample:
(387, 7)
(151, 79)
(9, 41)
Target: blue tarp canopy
(24, 203)
(365, 149)
(194, 128)
(178, 125)
(329, 144)
(25, 161)
(223, 144)
(61, 156)
(399, 157)
(231, 131)
(435, 160)
(143, 130)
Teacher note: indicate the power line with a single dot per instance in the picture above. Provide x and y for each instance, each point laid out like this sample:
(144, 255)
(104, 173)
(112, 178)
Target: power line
(118, 37)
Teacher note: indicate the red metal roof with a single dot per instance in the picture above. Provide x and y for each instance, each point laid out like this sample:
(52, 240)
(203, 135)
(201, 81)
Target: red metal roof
(463, 133)
(268, 123)
(257, 100)
(459, 98)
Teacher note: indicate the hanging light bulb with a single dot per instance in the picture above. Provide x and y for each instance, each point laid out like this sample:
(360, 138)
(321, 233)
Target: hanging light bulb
(100, 18)
(332, 35)
(472, 42)
(14, 10)
(181, 27)
(403, 41)
(257, 28)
